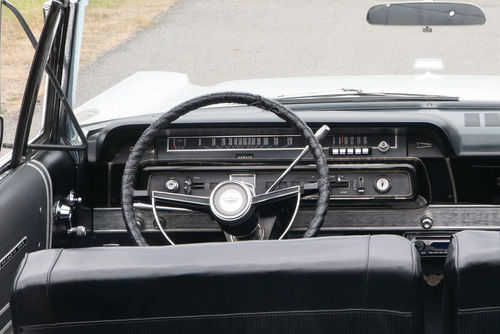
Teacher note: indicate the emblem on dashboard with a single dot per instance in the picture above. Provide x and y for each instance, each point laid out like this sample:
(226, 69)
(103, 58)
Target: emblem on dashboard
(10, 255)
(422, 145)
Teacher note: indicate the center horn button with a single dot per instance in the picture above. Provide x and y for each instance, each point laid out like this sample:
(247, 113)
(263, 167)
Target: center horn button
(231, 204)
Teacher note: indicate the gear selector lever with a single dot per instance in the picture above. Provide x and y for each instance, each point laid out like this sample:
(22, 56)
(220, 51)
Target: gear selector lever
(320, 134)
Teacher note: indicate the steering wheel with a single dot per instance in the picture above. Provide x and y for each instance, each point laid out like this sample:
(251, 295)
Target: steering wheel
(233, 204)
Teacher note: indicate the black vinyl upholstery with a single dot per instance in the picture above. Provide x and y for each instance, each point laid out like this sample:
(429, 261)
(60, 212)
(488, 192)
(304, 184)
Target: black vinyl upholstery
(354, 284)
(472, 283)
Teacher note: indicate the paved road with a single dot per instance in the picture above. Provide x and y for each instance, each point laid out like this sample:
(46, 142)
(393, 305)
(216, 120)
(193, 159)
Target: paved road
(222, 40)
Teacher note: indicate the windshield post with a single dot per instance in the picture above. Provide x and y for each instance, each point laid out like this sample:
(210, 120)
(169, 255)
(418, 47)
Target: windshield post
(33, 83)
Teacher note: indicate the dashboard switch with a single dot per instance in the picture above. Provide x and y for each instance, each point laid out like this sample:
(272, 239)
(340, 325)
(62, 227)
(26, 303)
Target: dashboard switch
(357, 151)
(365, 151)
(342, 151)
(350, 151)
(335, 151)
(361, 184)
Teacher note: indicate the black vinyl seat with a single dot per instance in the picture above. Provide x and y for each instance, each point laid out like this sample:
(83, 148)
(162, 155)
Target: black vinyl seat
(472, 283)
(354, 284)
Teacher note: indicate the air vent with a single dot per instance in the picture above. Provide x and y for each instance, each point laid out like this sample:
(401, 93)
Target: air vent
(492, 119)
(472, 119)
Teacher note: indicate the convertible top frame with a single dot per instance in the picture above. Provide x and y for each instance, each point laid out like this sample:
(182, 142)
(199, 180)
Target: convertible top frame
(43, 49)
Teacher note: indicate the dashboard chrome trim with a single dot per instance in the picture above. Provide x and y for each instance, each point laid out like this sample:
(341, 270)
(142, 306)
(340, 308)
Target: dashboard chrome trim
(169, 149)
(107, 220)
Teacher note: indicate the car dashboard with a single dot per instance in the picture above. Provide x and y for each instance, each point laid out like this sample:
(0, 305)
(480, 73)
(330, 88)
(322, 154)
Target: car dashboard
(390, 172)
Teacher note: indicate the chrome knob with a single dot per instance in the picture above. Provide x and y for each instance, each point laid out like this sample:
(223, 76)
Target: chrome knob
(63, 213)
(72, 199)
(172, 186)
(383, 146)
(78, 231)
(427, 222)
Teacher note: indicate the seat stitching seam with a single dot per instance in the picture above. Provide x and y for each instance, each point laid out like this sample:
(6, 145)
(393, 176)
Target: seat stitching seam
(367, 267)
(478, 310)
(457, 268)
(235, 315)
(49, 274)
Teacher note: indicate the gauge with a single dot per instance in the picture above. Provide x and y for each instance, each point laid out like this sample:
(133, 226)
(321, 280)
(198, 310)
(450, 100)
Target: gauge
(179, 143)
(235, 142)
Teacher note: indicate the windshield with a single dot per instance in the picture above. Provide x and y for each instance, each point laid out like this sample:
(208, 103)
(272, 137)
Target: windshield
(169, 51)
(213, 42)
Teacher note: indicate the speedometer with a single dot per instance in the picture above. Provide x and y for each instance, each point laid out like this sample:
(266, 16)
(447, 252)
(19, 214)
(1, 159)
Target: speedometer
(234, 143)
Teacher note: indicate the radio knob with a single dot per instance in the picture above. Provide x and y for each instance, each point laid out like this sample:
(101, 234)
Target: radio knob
(383, 146)
(172, 186)
(419, 245)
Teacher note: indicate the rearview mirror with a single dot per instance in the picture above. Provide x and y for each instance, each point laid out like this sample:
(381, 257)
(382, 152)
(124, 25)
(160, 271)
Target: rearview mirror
(426, 14)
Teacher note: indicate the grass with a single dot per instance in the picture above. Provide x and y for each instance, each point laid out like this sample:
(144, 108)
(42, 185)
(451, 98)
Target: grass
(100, 34)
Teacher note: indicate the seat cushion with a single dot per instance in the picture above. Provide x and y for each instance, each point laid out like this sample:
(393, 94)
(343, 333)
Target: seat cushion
(354, 284)
(472, 283)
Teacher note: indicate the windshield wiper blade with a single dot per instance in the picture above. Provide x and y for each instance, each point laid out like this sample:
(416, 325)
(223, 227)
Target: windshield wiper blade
(357, 95)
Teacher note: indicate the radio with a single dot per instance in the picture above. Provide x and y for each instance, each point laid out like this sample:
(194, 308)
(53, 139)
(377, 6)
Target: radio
(430, 244)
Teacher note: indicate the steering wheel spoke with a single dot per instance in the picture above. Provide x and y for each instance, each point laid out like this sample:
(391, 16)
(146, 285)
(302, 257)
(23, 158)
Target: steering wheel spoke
(198, 203)
(276, 196)
(141, 194)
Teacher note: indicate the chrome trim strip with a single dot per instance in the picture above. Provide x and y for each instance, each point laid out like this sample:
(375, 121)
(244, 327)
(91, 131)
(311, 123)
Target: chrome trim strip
(12, 252)
(6, 327)
(5, 308)
(150, 230)
(472, 206)
(415, 228)
(435, 228)
(38, 166)
(144, 206)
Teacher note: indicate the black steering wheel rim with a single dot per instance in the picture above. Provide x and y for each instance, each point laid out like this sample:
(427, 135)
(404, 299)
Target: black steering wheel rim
(148, 136)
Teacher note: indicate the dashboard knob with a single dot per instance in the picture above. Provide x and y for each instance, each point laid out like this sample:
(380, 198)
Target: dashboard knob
(427, 222)
(382, 184)
(172, 186)
(383, 146)
(420, 245)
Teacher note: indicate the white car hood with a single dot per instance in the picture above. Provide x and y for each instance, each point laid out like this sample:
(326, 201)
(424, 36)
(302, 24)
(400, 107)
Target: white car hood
(147, 93)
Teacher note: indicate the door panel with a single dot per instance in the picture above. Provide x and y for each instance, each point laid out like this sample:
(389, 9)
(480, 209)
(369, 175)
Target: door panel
(25, 223)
